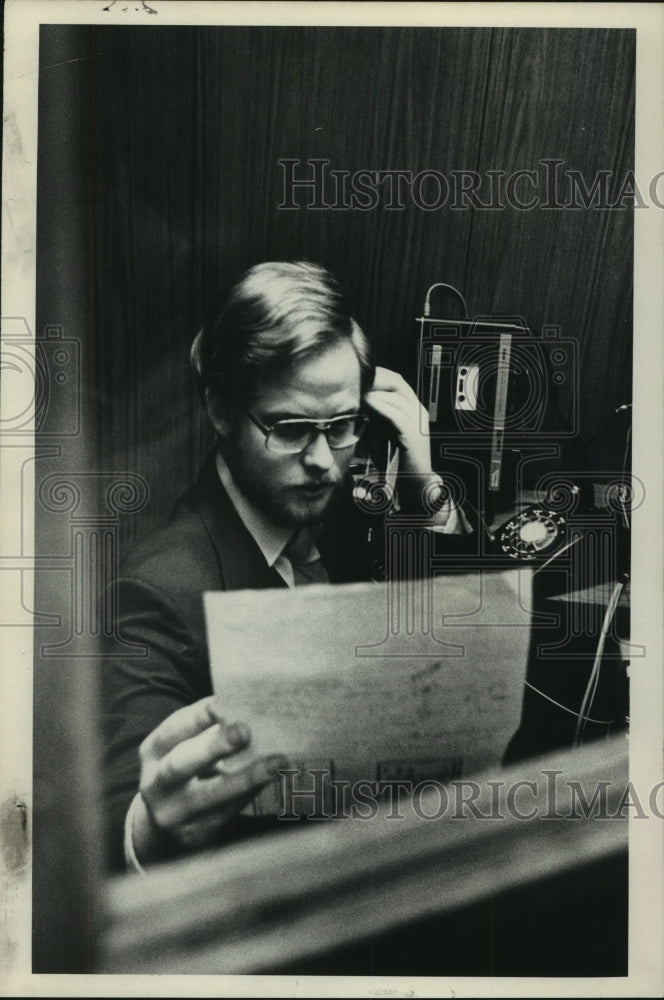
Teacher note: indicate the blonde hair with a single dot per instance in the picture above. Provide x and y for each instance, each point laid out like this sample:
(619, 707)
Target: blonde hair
(274, 313)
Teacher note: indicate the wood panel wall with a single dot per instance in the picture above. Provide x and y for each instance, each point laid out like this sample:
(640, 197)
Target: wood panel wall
(159, 182)
(189, 125)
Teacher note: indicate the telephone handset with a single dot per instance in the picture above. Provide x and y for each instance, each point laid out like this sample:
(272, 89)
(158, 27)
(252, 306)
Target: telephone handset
(376, 466)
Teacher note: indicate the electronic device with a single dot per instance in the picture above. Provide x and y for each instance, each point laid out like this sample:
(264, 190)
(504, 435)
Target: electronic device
(532, 533)
(490, 388)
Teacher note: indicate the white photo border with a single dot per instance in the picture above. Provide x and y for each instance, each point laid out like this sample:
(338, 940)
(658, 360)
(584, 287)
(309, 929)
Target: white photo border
(22, 22)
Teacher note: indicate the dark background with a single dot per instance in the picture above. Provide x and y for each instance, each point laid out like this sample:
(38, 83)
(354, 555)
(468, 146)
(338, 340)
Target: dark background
(174, 135)
(158, 182)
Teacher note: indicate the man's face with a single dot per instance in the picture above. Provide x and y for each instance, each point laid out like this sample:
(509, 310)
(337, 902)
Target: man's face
(295, 490)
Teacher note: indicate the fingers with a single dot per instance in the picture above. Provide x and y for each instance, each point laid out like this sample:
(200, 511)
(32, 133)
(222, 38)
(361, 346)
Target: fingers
(194, 756)
(394, 400)
(186, 787)
(181, 725)
(407, 416)
(204, 828)
(392, 397)
(223, 794)
(202, 796)
(389, 381)
(390, 405)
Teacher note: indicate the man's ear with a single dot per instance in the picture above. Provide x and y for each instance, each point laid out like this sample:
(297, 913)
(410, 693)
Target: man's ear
(218, 412)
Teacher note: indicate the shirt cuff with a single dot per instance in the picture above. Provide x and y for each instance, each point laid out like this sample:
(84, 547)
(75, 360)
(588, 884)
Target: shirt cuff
(450, 519)
(132, 862)
(455, 522)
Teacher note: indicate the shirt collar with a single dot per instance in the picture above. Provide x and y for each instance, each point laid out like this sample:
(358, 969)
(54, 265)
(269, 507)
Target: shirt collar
(270, 538)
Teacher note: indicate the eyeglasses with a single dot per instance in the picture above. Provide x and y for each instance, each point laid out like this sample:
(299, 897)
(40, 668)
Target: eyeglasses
(290, 437)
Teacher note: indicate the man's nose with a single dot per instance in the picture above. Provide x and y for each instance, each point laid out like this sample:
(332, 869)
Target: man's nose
(319, 454)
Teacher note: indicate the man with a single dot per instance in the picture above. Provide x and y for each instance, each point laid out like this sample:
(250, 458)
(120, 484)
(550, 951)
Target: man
(288, 385)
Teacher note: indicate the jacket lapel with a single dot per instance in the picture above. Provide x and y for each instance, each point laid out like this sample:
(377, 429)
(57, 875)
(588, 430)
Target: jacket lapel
(241, 562)
(342, 544)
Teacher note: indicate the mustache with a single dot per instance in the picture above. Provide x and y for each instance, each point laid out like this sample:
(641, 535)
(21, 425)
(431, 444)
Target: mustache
(319, 481)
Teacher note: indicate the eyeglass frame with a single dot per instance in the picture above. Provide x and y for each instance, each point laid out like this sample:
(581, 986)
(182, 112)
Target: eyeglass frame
(322, 426)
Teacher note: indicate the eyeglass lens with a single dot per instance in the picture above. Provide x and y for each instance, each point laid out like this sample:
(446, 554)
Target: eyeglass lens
(296, 435)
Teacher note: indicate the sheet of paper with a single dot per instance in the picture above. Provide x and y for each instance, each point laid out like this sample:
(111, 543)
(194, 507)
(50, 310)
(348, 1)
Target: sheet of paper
(373, 682)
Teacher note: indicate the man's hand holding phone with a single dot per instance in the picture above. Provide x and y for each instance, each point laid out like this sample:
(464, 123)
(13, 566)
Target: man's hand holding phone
(393, 399)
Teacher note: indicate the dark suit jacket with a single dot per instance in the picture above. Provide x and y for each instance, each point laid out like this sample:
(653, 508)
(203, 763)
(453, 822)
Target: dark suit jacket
(204, 546)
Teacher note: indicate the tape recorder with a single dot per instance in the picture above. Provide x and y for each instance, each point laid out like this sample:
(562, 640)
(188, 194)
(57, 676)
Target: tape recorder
(490, 388)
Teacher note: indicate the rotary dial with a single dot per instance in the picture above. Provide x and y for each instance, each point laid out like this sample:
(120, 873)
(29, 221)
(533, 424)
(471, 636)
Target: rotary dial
(531, 533)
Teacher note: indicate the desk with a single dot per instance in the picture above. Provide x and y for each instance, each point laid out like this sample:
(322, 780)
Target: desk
(565, 642)
(598, 593)
(571, 592)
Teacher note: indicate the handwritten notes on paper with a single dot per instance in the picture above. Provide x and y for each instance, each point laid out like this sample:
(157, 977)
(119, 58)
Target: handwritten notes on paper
(422, 678)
